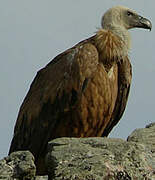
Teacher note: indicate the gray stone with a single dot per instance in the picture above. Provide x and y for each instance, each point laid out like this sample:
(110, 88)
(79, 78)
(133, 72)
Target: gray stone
(145, 136)
(98, 159)
(89, 159)
(18, 165)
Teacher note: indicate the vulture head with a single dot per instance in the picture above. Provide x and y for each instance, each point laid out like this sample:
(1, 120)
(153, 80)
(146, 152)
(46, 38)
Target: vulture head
(119, 20)
(123, 17)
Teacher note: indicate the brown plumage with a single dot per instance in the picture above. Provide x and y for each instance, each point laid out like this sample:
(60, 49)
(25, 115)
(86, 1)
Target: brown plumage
(81, 92)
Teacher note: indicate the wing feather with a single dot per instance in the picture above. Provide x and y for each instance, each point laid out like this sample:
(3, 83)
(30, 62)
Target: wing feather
(55, 90)
(124, 81)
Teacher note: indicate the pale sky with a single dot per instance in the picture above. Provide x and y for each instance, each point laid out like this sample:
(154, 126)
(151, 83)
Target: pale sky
(33, 32)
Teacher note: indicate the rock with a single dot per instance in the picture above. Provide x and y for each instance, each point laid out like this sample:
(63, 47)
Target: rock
(145, 136)
(18, 165)
(99, 159)
(89, 159)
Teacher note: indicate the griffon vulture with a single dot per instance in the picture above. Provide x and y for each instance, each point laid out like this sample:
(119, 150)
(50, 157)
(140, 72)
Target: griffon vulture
(83, 91)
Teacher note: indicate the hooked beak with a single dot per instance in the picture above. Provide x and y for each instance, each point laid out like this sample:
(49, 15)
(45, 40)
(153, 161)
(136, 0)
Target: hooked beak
(144, 23)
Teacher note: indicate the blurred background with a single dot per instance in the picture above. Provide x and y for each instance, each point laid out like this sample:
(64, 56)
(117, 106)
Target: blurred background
(33, 32)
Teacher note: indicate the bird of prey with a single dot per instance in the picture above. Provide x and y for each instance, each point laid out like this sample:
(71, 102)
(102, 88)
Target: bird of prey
(83, 91)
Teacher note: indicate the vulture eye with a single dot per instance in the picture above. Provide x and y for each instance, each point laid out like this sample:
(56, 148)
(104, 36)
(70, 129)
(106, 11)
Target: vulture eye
(140, 17)
(129, 13)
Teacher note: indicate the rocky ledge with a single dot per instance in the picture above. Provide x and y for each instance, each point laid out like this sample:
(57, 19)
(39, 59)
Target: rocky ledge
(89, 159)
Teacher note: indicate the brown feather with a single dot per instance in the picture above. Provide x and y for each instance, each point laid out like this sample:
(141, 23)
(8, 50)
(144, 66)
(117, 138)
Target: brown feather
(124, 81)
(111, 47)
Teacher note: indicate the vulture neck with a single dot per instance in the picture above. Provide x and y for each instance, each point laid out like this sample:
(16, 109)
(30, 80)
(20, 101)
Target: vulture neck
(113, 45)
(122, 33)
